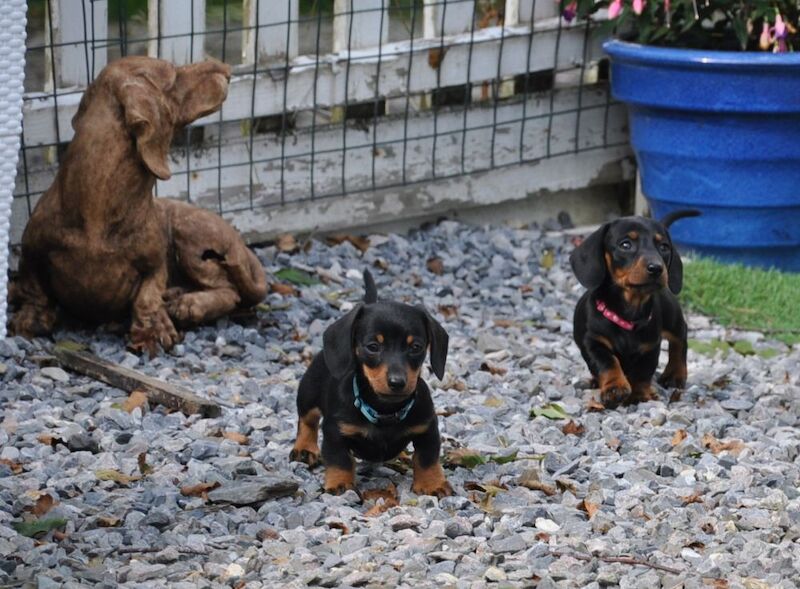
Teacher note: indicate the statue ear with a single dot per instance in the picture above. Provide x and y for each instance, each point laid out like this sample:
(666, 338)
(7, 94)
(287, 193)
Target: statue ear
(588, 260)
(148, 119)
(337, 344)
(201, 89)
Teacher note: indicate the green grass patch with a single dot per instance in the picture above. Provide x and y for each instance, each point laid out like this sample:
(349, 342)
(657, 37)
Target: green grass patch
(744, 298)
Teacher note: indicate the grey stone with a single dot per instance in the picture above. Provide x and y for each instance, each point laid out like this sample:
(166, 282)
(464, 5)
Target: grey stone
(255, 490)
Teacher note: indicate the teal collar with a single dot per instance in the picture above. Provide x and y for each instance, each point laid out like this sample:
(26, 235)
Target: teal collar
(379, 418)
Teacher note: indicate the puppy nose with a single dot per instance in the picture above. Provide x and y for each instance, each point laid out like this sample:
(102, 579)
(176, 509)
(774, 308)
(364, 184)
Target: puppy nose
(396, 382)
(654, 269)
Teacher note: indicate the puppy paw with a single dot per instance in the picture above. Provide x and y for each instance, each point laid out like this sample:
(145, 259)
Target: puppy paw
(186, 309)
(614, 396)
(642, 393)
(339, 480)
(339, 489)
(442, 489)
(671, 380)
(307, 456)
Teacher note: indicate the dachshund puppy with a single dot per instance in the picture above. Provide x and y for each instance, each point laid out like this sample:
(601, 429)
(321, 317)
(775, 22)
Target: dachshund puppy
(366, 387)
(99, 246)
(632, 273)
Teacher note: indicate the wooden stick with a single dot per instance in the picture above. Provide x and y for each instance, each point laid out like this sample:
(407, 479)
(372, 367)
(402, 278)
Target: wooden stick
(618, 559)
(157, 391)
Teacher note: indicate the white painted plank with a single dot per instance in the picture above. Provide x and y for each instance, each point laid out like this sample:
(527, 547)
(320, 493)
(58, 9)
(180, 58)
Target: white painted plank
(447, 17)
(176, 30)
(540, 9)
(271, 31)
(80, 32)
(520, 54)
(358, 24)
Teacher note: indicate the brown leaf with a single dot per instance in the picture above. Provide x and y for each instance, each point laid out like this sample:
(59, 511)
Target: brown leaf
(505, 323)
(696, 497)
(380, 507)
(141, 460)
(15, 467)
(448, 311)
(678, 437)
(109, 474)
(286, 243)
(716, 583)
(59, 536)
(492, 369)
(594, 406)
(735, 447)
(237, 437)
(337, 525)
(49, 440)
(43, 504)
(456, 385)
(359, 242)
(526, 288)
(435, 266)
(107, 521)
(590, 508)
(387, 493)
(283, 289)
(530, 480)
(566, 485)
(614, 443)
(267, 534)
(199, 490)
(435, 56)
(573, 428)
(136, 399)
(465, 457)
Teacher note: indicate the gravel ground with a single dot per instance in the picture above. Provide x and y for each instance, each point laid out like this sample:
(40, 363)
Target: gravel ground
(705, 488)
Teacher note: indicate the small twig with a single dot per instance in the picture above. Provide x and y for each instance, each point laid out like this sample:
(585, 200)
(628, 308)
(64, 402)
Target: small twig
(137, 549)
(629, 560)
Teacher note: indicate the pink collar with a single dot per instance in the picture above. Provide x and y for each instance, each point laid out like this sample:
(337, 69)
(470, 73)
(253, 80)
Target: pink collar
(616, 319)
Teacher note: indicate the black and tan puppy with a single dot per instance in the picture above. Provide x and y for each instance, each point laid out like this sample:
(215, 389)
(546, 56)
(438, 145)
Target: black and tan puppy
(366, 387)
(632, 273)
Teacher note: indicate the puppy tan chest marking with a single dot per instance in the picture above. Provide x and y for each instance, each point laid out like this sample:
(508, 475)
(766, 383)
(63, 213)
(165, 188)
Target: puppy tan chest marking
(350, 430)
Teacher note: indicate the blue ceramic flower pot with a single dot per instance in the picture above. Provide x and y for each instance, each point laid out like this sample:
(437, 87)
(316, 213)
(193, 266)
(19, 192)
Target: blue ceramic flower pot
(720, 132)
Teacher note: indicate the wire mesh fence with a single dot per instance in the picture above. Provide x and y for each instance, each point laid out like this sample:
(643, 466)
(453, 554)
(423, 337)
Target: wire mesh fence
(330, 98)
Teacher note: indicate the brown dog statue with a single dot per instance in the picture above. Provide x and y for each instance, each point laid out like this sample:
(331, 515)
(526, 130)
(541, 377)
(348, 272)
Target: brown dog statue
(100, 246)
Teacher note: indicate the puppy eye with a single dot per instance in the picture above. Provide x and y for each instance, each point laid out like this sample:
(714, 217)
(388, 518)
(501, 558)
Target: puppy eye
(625, 244)
(664, 247)
(373, 347)
(415, 348)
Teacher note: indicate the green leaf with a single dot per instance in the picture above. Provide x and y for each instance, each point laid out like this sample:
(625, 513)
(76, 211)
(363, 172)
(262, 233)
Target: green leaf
(70, 346)
(709, 348)
(40, 526)
(550, 411)
(296, 276)
(504, 459)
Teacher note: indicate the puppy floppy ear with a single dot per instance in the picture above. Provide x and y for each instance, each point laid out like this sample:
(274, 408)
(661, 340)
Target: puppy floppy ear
(148, 119)
(337, 343)
(438, 340)
(588, 260)
(675, 271)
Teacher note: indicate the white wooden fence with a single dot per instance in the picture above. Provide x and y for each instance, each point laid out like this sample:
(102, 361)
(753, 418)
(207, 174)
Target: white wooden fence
(287, 152)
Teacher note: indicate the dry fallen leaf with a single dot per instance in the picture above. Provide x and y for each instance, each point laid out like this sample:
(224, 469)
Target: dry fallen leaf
(589, 507)
(136, 399)
(505, 323)
(108, 474)
(49, 440)
(435, 56)
(492, 369)
(283, 289)
(15, 467)
(448, 311)
(199, 490)
(337, 525)
(593, 405)
(359, 242)
(678, 437)
(614, 443)
(237, 437)
(463, 457)
(696, 497)
(716, 583)
(574, 428)
(530, 480)
(43, 504)
(286, 243)
(384, 498)
(381, 506)
(735, 447)
(435, 266)
(141, 460)
(107, 521)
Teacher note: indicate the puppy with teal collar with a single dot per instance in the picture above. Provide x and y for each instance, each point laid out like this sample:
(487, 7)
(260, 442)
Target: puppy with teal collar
(365, 387)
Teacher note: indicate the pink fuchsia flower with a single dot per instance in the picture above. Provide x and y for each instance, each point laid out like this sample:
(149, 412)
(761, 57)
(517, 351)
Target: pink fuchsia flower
(614, 8)
(765, 40)
(638, 6)
(667, 13)
(570, 10)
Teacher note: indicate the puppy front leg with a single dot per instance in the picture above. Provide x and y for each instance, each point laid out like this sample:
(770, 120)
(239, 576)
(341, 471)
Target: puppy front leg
(614, 385)
(429, 477)
(150, 324)
(37, 311)
(674, 375)
(340, 470)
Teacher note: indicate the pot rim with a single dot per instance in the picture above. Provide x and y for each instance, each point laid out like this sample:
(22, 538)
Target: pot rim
(697, 58)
